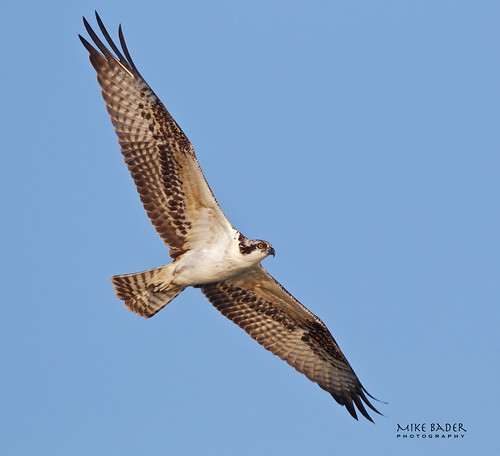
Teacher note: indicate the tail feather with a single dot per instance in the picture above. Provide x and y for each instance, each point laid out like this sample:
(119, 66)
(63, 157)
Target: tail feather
(138, 297)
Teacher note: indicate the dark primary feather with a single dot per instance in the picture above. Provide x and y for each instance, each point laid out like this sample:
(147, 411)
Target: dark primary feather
(276, 320)
(158, 154)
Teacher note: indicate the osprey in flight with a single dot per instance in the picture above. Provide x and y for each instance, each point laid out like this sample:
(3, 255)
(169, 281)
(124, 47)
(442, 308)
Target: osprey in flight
(207, 251)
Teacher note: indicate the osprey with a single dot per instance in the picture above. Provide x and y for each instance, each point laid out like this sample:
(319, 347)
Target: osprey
(207, 251)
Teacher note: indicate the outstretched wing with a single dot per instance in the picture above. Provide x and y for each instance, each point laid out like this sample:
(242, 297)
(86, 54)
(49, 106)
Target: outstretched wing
(158, 154)
(276, 320)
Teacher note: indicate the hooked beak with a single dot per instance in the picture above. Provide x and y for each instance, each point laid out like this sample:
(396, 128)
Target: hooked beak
(271, 252)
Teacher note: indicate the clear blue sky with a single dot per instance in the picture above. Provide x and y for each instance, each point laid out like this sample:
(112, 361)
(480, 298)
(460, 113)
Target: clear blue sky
(360, 138)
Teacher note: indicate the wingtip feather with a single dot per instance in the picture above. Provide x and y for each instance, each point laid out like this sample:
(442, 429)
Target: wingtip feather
(350, 408)
(361, 408)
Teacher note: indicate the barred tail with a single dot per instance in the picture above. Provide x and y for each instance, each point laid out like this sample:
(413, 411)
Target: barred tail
(134, 290)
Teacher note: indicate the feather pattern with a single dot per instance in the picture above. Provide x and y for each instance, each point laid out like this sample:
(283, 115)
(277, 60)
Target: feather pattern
(158, 154)
(209, 253)
(134, 289)
(275, 319)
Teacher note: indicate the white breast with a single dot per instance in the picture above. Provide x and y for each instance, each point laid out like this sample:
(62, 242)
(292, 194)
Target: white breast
(214, 261)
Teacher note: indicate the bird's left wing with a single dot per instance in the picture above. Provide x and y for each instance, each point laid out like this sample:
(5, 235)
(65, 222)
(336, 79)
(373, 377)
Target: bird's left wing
(257, 303)
(158, 154)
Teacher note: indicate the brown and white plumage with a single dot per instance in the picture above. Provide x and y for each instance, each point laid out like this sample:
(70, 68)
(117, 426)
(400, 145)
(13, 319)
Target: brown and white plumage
(158, 154)
(257, 303)
(208, 252)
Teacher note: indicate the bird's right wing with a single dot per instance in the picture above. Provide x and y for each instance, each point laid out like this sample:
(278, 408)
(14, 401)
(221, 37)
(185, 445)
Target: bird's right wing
(158, 154)
(258, 304)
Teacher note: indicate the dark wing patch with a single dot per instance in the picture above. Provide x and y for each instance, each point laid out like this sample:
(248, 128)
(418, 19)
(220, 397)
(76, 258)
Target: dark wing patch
(276, 320)
(158, 154)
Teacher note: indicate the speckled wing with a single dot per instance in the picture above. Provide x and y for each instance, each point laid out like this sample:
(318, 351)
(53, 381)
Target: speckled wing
(276, 320)
(159, 156)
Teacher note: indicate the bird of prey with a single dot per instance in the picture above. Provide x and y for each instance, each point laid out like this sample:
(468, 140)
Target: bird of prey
(207, 251)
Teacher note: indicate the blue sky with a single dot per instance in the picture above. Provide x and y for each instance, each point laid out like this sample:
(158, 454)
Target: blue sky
(360, 138)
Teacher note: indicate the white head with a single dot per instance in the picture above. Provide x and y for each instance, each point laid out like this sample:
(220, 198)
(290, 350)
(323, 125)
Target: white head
(256, 249)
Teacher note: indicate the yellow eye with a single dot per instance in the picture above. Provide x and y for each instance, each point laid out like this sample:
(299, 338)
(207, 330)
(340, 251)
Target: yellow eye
(260, 245)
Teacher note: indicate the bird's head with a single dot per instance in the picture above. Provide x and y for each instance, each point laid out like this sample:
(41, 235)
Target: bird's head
(263, 247)
(257, 248)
